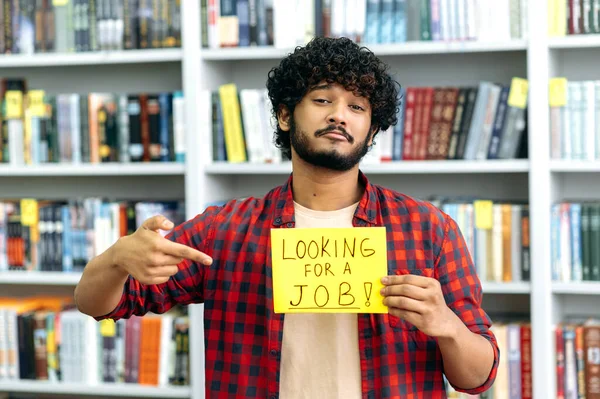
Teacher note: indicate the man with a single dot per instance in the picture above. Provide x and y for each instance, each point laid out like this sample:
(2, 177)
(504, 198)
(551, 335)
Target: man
(331, 98)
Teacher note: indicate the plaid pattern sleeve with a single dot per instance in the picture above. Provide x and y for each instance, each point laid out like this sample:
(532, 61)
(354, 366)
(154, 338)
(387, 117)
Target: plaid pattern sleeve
(462, 290)
(185, 287)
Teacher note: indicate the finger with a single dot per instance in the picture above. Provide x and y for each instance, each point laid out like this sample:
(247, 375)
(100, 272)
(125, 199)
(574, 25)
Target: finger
(164, 260)
(157, 222)
(419, 281)
(183, 251)
(404, 303)
(407, 290)
(166, 271)
(407, 315)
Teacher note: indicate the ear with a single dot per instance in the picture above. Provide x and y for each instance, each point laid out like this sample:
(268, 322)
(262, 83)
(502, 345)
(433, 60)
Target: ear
(283, 118)
(374, 130)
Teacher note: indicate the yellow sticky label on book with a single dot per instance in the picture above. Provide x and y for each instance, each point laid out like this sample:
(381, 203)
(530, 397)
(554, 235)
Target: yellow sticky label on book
(558, 92)
(35, 100)
(14, 104)
(29, 212)
(518, 93)
(108, 328)
(483, 214)
(60, 3)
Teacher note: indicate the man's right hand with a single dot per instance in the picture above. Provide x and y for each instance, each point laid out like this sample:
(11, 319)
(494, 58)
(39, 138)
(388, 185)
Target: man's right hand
(149, 257)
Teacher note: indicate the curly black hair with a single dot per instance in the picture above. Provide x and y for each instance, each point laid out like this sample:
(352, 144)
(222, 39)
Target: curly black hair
(334, 60)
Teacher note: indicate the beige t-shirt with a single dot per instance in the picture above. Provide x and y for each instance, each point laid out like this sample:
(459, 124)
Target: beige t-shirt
(319, 356)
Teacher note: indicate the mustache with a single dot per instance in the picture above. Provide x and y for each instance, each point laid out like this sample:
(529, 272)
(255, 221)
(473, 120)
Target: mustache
(339, 129)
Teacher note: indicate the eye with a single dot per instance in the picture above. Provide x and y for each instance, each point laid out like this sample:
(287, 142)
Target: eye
(357, 107)
(321, 100)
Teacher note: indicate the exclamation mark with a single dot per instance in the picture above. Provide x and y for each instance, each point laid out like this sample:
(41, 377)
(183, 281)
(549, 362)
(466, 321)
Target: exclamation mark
(368, 290)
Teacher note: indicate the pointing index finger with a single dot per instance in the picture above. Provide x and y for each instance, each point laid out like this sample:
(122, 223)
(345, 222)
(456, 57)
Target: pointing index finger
(183, 251)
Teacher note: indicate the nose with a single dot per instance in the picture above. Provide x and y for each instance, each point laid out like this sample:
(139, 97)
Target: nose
(337, 116)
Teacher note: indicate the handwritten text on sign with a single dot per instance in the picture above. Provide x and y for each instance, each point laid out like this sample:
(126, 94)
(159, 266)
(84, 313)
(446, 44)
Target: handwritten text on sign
(335, 270)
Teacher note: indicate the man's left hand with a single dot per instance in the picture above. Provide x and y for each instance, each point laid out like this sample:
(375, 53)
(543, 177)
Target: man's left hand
(420, 301)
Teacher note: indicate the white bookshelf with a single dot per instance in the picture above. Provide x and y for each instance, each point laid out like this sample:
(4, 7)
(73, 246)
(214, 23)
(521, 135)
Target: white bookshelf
(408, 48)
(39, 278)
(101, 169)
(404, 167)
(521, 287)
(561, 166)
(574, 41)
(91, 58)
(583, 288)
(113, 390)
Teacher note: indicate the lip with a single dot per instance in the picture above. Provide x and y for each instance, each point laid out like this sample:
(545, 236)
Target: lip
(335, 134)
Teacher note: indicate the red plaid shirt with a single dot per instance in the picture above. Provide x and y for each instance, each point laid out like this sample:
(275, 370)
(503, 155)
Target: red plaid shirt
(242, 334)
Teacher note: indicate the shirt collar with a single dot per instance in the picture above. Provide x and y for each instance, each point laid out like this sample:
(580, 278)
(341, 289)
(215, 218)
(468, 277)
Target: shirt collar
(365, 211)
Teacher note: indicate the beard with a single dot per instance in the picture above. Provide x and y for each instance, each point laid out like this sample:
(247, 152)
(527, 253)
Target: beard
(329, 159)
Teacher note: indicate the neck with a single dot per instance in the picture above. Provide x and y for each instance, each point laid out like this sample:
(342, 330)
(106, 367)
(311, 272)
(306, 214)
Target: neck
(322, 189)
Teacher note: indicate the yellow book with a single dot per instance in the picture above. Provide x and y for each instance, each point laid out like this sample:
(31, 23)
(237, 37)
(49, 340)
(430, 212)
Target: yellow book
(232, 123)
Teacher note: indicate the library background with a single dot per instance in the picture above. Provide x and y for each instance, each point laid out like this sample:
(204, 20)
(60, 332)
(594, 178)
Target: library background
(113, 111)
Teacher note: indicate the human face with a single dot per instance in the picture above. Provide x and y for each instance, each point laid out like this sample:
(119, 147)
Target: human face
(330, 127)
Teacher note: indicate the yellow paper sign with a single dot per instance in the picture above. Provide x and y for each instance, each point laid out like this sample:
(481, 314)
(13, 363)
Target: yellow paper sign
(558, 92)
(483, 214)
(335, 270)
(14, 104)
(517, 97)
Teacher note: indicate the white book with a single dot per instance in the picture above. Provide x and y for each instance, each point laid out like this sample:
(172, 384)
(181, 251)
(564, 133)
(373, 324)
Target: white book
(566, 128)
(16, 142)
(213, 14)
(166, 332)
(516, 243)
(589, 120)
(445, 20)
(179, 126)
(309, 19)
(338, 18)
(284, 35)
(497, 244)
(565, 242)
(482, 236)
(360, 18)
(453, 19)
(576, 119)
(249, 102)
(471, 19)
(597, 119)
(75, 122)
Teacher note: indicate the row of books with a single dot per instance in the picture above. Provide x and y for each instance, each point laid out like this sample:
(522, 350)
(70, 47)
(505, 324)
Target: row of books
(47, 339)
(435, 123)
(514, 376)
(573, 17)
(91, 128)
(66, 26)
(496, 234)
(575, 241)
(231, 23)
(575, 119)
(62, 236)
(577, 359)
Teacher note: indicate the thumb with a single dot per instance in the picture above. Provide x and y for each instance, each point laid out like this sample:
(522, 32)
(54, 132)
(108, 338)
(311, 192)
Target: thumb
(157, 222)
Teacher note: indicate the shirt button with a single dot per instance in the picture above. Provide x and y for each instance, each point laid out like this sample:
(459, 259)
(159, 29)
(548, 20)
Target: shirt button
(274, 396)
(290, 224)
(278, 220)
(273, 352)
